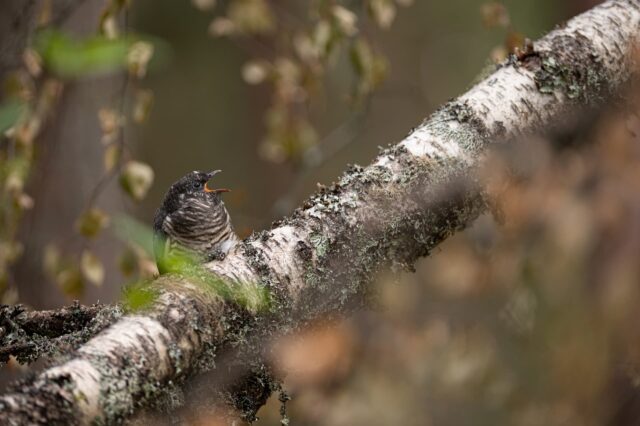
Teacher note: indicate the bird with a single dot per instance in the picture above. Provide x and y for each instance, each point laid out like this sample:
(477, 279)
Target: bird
(192, 222)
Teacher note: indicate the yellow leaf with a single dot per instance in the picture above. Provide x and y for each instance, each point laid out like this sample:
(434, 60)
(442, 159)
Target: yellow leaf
(142, 106)
(136, 179)
(92, 222)
(111, 157)
(138, 57)
(92, 268)
(254, 72)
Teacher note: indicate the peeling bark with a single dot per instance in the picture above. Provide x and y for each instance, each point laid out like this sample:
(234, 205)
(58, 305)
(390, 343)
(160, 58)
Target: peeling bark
(320, 260)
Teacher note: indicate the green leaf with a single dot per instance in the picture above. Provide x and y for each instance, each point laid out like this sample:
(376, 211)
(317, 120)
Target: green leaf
(10, 112)
(131, 231)
(68, 57)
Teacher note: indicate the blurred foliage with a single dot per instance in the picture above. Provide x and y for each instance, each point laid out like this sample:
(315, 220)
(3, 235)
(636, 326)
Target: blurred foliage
(306, 39)
(25, 108)
(53, 58)
(10, 111)
(495, 15)
(530, 319)
(67, 57)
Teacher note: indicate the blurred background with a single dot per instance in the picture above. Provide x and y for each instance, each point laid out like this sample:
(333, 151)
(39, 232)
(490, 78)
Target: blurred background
(525, 320)
(204, 115)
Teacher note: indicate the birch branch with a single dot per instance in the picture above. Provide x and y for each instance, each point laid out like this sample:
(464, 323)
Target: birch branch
(321, 260)
(29, 335)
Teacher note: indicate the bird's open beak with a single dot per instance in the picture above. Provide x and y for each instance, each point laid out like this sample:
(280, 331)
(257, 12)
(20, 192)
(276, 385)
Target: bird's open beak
(216, 191)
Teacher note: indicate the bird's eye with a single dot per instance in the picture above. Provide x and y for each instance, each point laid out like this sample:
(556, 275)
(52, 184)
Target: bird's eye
(197, 185)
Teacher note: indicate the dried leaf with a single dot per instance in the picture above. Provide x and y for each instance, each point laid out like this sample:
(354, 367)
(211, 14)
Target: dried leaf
(44, 14)
(322, 37)
(33, 62)
(221, 27)
(255, 72)
(24, 201)
(136, 179)
(111, 121)
(305, 48)
(92, 268)
(371, 67)
(252, 16)
(138, 57)
(383, 12)
(345, 19)
(142, 106)
(10, 251)
(92, 222)
(51, 260)
(515, 40)
(70, 281)
(111, 157)
(495, 14)
(204, 5)
(109, 27)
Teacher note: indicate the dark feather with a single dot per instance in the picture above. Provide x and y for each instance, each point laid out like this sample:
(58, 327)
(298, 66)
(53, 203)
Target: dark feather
(193, 219)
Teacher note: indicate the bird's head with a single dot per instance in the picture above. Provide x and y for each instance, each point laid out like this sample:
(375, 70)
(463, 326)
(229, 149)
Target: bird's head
(193, 186)
(196, 183)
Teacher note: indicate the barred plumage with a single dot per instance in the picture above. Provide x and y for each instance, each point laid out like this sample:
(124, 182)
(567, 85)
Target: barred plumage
(192, 221)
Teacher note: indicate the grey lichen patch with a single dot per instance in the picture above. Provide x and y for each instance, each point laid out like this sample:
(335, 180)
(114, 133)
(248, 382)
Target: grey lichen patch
(331, 201)
(30, 336)
(251, 392)
(362, 177)
(461, 111)
(320, 244)
(43, 401)
(457, 123)
(176, 357)
(256, 258)
(569, 66)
